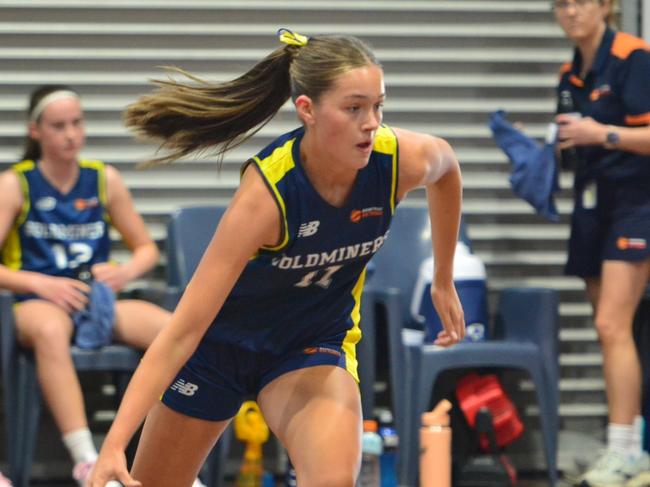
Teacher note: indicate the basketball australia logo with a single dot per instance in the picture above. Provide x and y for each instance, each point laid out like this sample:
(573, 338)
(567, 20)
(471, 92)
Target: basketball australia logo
(82, 204)
(357, 215)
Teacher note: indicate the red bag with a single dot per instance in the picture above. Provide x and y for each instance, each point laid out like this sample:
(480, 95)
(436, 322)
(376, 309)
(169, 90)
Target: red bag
(476, 391)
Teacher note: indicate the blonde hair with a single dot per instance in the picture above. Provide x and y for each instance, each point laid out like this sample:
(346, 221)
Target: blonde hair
(198, 116)
(612, 18)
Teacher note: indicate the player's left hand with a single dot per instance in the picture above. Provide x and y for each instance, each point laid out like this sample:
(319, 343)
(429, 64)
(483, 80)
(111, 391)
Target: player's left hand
(113, 275)
(445, 300)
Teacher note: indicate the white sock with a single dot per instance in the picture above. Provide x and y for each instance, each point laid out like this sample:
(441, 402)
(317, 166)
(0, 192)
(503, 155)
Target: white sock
(80, 445)
(624, 439)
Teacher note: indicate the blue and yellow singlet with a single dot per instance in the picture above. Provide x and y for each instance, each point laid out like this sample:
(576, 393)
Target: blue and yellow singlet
(56, 233)
(307, 289)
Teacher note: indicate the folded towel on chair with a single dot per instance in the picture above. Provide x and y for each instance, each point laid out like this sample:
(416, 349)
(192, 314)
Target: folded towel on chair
(94, 324)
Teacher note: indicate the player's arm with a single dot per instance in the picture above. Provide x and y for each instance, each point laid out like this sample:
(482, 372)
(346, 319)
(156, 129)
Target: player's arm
(130, 225)
(430, 162)
(69, 294)
(11, 200)
(251, 221)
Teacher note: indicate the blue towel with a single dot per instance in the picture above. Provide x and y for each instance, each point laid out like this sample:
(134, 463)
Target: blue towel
(534, 175)
(94, 325)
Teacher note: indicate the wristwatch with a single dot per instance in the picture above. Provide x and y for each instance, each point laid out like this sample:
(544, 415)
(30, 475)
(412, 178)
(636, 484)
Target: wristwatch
(612, 139)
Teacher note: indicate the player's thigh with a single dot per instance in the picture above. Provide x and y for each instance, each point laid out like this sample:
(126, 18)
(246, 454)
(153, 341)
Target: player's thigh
(173, 446)
(138, 322)
(316, 414)
(41, 321)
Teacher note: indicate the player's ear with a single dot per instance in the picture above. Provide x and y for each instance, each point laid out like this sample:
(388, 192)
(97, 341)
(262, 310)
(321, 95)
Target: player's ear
(33, 130)
(305, 109)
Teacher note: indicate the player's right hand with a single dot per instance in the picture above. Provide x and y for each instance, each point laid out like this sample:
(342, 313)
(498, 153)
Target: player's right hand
(111, 465)
(69, 294)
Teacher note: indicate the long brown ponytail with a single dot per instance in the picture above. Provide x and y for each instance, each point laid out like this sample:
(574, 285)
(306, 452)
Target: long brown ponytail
(199, 116)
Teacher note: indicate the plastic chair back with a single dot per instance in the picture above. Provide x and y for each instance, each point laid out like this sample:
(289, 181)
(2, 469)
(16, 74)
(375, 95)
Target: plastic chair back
(526, 337)
(189, 232)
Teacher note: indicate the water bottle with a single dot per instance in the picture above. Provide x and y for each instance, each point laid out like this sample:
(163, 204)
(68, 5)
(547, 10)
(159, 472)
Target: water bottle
(268, 480)
(371, 448)
(388, 459)
(251, 428)
(569, 158)
(435, 447)
(84, 274)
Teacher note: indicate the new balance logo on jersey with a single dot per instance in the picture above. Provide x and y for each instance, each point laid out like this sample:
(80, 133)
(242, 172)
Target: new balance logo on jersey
(46, 203)
(308, 229)
(185, 388)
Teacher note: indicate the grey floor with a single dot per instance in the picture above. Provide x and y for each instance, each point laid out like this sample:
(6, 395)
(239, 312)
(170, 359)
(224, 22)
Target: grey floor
(576, 449)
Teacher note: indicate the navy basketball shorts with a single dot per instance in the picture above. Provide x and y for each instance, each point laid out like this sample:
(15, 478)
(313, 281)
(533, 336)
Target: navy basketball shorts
(219, 377)
(610, 221)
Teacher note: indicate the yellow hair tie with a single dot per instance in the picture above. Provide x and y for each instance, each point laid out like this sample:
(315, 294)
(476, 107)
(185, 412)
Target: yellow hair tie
(292, 38)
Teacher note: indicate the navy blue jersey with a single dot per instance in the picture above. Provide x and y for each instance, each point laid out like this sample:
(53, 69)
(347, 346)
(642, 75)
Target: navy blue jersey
(616, 91)
(56, 233)
(307, 289)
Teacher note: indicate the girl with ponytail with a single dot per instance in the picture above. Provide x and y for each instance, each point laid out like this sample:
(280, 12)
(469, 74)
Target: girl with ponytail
(272, 309)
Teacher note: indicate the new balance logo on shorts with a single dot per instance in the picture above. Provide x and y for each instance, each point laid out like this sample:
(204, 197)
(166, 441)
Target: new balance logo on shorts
(185, 388)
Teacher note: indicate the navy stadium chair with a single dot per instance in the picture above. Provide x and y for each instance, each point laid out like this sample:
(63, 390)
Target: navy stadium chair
(525, 337)
(22, 395)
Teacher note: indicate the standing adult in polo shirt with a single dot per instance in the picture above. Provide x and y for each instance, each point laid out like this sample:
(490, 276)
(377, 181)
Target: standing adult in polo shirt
(609, 247)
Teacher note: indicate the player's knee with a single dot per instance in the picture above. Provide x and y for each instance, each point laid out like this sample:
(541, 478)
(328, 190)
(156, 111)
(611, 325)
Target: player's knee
(610, 331)
(51, 336)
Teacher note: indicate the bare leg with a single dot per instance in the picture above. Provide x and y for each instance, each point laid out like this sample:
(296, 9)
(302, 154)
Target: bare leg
(316, 414)
(622, 286)
(47, 329)
(593, 292)
(173, 447)
(138, 322)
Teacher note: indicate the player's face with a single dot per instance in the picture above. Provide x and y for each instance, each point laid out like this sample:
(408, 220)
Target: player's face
(60, 130)
(581, 19)
(346, 117)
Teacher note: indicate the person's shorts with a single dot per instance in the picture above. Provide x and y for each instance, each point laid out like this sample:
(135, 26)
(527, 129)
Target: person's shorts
(219, 377)
(610, 221)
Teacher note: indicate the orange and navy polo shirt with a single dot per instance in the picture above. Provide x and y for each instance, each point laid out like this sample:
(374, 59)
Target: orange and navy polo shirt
(616, 91)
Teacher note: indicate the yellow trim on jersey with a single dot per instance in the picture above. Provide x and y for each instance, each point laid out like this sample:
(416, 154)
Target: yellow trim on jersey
(353, 335)
(274, 167)
(386, 143)
(12, 255)
(20, 169)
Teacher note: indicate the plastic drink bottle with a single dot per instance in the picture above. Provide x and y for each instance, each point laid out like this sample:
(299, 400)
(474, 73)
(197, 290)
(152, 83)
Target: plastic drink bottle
(251, 428)
(569, 158)
(435, 447)
(371, 448)
(388, 458)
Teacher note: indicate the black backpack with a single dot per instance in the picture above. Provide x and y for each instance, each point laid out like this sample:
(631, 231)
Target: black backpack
(490, 469)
